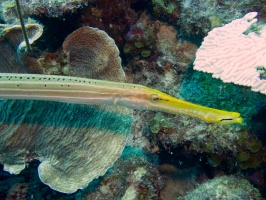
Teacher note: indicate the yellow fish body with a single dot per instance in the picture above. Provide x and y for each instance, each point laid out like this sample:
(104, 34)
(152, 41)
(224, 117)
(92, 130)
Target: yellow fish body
(95, 92)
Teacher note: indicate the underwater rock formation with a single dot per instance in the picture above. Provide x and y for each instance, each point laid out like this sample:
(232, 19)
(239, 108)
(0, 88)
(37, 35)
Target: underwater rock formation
(13, 57)
(198, 17)
(133, 176)
(233, 56)
(115, 17)
(225, 187)
(51, 8)
(168, 10)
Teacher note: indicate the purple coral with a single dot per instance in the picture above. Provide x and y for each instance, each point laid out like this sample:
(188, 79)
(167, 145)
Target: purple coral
(136, 32)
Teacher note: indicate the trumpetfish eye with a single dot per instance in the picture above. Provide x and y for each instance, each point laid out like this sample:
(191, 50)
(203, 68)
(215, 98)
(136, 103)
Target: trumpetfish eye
(154, 98)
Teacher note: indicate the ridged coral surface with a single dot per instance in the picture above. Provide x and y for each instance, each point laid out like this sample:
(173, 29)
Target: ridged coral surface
(13, 57)
(75, 143)
(234, 57)
(92, 53)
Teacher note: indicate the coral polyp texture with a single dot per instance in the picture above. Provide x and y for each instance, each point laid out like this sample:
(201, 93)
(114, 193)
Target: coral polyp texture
(13, 57)
(92, 53)
(75, 143)
(233, 56)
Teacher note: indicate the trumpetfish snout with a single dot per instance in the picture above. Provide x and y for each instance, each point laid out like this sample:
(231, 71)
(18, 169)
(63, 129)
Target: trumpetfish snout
(166, 103)
(95, 92)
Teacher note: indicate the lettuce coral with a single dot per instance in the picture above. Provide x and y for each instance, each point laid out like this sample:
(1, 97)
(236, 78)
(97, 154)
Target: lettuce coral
(13, 57)
(75, 143)
(92, 53)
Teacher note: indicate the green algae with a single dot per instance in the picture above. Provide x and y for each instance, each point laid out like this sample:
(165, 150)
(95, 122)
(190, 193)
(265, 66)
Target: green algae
(158, 122)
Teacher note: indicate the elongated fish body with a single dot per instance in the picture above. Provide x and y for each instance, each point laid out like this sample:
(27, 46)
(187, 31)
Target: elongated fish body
(95, 92)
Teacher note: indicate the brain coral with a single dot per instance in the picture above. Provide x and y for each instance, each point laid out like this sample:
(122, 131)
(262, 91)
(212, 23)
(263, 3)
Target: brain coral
(233, 56)
(75, 143)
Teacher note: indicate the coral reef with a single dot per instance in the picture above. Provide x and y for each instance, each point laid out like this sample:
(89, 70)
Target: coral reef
(55, 63)
(178, 180)
(133, 176)
(166, 156)
(198, 17)
(14, 57)
(225, 187)
(115, 17)
(139, 40)
(92, 53)
(165, 9)
(32, 7)
(18, 191)
(158, 41)
(58, 133)
(177, 52)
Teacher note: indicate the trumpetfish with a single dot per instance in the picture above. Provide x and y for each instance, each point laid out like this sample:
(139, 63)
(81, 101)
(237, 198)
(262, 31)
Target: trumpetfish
(95, 92)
